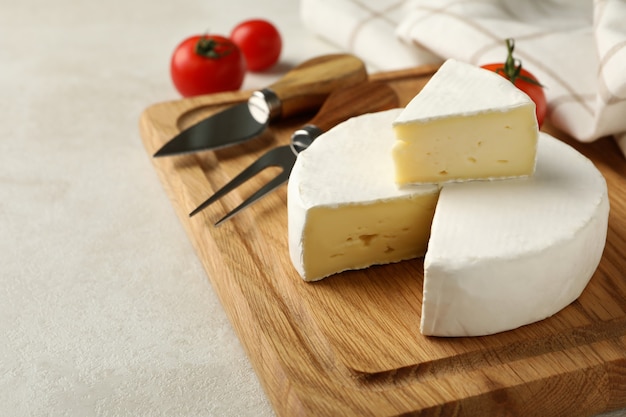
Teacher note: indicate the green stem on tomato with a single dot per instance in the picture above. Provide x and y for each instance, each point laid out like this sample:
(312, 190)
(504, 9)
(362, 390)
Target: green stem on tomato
(207, 47)
(513, 67)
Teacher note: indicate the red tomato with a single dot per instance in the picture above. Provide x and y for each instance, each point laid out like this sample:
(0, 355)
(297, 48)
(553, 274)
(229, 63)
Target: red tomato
(260, 43)
(512, 70)
(204, 64)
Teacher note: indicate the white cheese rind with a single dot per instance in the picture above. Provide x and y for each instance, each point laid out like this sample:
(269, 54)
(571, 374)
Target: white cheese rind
(459, 88)
(504, 254)
(350, 166)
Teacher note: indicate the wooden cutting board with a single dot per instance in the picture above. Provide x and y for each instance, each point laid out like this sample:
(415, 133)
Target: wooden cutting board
(350, 345)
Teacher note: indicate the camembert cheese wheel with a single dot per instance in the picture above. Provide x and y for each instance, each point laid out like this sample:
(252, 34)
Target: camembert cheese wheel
(498, 254)
(466, 123)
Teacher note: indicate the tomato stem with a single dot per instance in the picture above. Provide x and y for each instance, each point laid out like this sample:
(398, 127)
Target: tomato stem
(513, 67)
(209, 48)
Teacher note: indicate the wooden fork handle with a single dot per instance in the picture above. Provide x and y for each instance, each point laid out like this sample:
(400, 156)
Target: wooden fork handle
(344, 103)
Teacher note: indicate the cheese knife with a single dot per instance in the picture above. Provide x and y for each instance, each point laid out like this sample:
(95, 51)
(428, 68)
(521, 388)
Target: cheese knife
(302, 89)
(341, 104)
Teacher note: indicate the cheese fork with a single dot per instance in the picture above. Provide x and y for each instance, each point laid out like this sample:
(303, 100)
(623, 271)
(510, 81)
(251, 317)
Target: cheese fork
(367, 97)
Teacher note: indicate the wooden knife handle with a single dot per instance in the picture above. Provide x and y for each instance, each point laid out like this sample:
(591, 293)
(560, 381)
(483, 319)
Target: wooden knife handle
(355, 100)
(306, 87)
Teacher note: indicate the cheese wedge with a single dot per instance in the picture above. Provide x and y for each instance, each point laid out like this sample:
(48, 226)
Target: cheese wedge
(345, 211)
(503, 254)
(500, 254)
(466, 123)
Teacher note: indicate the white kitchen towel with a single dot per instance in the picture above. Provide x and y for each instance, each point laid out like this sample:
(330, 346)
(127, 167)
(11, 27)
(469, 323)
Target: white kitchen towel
(367, 29)
(577, 48)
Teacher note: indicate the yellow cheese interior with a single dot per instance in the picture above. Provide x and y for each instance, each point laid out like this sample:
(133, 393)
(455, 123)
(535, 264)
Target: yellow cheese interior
(355, 236)
(488, 145)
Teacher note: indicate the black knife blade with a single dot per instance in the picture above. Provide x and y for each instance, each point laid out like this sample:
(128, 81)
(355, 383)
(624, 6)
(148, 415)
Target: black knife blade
(302, 89)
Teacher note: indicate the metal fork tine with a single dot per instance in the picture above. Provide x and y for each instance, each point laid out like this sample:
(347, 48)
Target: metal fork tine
(282, 157)
(267, 160)
(276, 182)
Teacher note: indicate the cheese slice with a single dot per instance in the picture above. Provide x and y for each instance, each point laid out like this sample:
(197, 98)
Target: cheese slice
(466, 123)
(499, 254)
(503, 254)
(345, 211)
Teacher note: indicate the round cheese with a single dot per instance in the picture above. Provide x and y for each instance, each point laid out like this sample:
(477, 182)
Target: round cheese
(499, 254)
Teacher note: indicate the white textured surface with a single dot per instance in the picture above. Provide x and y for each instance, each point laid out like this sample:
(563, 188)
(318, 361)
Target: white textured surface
(106, 310)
